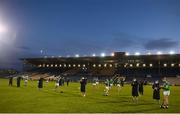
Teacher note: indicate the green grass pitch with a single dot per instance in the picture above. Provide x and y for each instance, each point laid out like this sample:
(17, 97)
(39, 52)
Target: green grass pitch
(30, 99)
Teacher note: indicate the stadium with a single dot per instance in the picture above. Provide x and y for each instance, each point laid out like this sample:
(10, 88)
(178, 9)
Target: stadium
(67, 98)
(56, 56)
(119, 64)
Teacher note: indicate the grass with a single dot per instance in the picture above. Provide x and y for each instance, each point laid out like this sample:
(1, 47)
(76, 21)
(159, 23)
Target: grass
(30, 99)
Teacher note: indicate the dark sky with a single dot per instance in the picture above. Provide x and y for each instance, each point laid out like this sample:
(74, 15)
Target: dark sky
(67, 27)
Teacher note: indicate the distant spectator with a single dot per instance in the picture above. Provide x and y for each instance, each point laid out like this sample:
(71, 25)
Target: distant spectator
(141, 88)
(68, 80)
(156, 91)
(18, 81)
(135, 90)
(83, 83)
(40, 83)
(107, 87)
(10, 81)
(25, 81)
(122, 82)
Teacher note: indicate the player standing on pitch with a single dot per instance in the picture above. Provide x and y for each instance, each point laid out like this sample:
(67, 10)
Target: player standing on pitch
(166, 93)
(83, 83)
(135, 94)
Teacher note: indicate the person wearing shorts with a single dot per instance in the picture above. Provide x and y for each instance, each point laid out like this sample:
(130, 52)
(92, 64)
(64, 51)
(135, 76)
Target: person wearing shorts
(166, 93)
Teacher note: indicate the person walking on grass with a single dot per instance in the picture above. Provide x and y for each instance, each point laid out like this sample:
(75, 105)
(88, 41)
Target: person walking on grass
(67, 81)
(119, 84)
(56, 83)
(107, 87)
(135, 86)
(83, 83)
(166, 93)
(11, 81)
(18, 81)
(141, 87)
(40, 83)
(156, 91)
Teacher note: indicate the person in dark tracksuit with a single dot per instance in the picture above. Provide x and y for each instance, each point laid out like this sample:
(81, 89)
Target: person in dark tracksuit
(68, 80)
(156, 91)
(141, 88)
(83, 83)
(18, 81)
(135, 94)
(10, 81)
(40, 83)
(122, 82)
(60, 81)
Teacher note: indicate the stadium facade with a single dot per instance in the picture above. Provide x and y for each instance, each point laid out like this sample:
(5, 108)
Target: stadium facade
(129, 66)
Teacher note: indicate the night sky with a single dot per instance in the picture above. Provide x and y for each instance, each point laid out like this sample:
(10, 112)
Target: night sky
(66, 27)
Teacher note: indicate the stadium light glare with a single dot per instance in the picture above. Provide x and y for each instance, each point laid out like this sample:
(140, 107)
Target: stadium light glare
(127, 53)
(137, 53)
(144, 65)
(103, 54)
(112, 54)
(165, 65)
(137, 65)
(172, 52)
(150, 65)
(149, 53)
(94, 55)
(3, 29)
(159, 53)
(172, 65)
(77, 55)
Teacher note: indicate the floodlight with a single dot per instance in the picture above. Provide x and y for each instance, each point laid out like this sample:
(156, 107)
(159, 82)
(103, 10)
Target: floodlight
(127, 54)
(103, 54)
(171, 52)
(159, 53)
(137, 53)
(77, 55)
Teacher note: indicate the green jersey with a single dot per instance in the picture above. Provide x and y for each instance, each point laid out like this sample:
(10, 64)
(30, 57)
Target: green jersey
(166, 87)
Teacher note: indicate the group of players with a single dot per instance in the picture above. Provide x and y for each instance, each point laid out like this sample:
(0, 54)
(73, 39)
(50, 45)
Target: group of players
(137, 87)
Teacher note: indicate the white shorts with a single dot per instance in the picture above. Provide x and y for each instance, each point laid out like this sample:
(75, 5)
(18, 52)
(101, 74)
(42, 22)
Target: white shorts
(94, 84)
(57, 84)
(107, 87)
(97, 83)
(166, 93)
(118, 85)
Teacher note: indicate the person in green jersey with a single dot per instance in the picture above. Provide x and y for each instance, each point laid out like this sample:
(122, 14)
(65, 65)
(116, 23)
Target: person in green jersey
(166, 93)
(107, 87)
